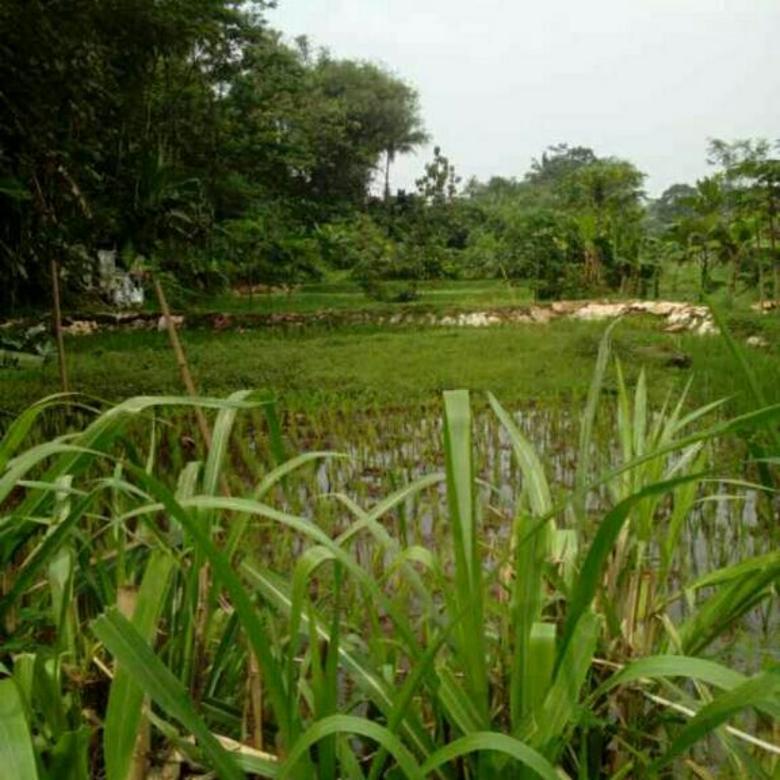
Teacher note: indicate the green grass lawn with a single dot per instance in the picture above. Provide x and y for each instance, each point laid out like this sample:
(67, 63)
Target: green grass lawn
(339, 292)
(354, 366)
(367, 366)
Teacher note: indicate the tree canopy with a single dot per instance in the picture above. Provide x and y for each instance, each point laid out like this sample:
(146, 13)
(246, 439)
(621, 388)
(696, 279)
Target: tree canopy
(191, 137)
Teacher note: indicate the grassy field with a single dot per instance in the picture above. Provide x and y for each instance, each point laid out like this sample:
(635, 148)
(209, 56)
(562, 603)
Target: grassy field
(372, 366)
(474, 579)
(470, 589)
(338, 291)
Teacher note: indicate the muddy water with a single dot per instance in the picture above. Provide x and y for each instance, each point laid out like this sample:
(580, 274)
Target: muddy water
(728, 523)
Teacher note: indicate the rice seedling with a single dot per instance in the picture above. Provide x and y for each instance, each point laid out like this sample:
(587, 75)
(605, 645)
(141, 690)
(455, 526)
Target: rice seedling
(493, 607)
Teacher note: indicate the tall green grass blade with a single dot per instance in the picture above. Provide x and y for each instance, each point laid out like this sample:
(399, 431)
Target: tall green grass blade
(43, 554)
(329, 694)
(277, 474)
(531, 551)
(491, 741)
(541, 662)
(307, 529)
(17, 431)
(125, 699)
(468, 568)
(17, 755)
(405, 695)
(373, 686)
(741, 424)
(768, 561)
(530, 557)
(69, 759)
(350, 724)
(130, 649)
(561, 705)
(640, 414)
(530, 465)
(599, 550)
(588, 420)
(307, 564)
(460, 706)
(762, 688)
(732, 600)
(662, 666)
(220, 438)
(274, 680)
(460, 481)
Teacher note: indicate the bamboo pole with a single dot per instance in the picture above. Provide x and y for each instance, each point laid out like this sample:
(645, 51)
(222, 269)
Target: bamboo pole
(127, 600)
(204, 576)
(181, 362)
(55, 290)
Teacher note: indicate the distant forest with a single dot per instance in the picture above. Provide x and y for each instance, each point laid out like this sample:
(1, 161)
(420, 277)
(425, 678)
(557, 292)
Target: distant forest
(191, 138)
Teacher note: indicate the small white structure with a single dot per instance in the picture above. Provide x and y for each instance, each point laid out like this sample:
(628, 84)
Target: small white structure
(122, 289)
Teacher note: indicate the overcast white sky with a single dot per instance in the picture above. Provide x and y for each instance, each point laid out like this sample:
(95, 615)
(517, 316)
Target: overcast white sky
(499, 80)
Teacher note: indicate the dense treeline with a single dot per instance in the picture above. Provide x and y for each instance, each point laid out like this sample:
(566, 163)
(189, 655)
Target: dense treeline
(184, 131)
(192, 139)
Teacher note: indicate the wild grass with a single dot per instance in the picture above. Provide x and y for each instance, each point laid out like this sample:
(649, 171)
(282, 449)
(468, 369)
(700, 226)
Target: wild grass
(353, 368)
(170, 607)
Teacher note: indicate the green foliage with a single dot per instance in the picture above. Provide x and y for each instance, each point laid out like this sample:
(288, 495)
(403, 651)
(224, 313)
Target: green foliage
(728, 219)
(167, 126)
(452, 653)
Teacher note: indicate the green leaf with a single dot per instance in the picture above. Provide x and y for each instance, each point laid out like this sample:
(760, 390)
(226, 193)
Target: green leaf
(755, 691)
(589, 418)
(495, 742)
(470, 634)
(125, 699)
(655, 666)
(17, 757)
(530, 465)
(600, 548)
(131, 650)
(350, 724)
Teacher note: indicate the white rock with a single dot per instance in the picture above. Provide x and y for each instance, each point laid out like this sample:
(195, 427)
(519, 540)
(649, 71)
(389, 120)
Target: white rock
(757, 341)
(565, 307)
(681, 317)
(81, 328)
(706, 328)
(541, 314)
(477, 319)
(657, 308)
(600, 311)
(177, 320)
(765, 306)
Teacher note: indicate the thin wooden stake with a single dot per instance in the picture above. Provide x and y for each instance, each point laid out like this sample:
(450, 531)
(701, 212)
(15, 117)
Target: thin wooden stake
(55, 290)
(254, 706)
(181, 362)
(127, 600)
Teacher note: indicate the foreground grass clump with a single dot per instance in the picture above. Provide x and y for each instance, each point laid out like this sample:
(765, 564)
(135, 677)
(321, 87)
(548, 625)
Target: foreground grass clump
(166, 612)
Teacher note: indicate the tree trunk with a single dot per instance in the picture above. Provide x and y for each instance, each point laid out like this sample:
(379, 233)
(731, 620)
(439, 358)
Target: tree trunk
(775, 258)
(55, 290)
(388, 161)
(703, 282)
(734, 273)
(760, 262)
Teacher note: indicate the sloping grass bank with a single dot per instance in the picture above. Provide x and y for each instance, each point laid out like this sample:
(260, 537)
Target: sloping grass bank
(369, 366)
